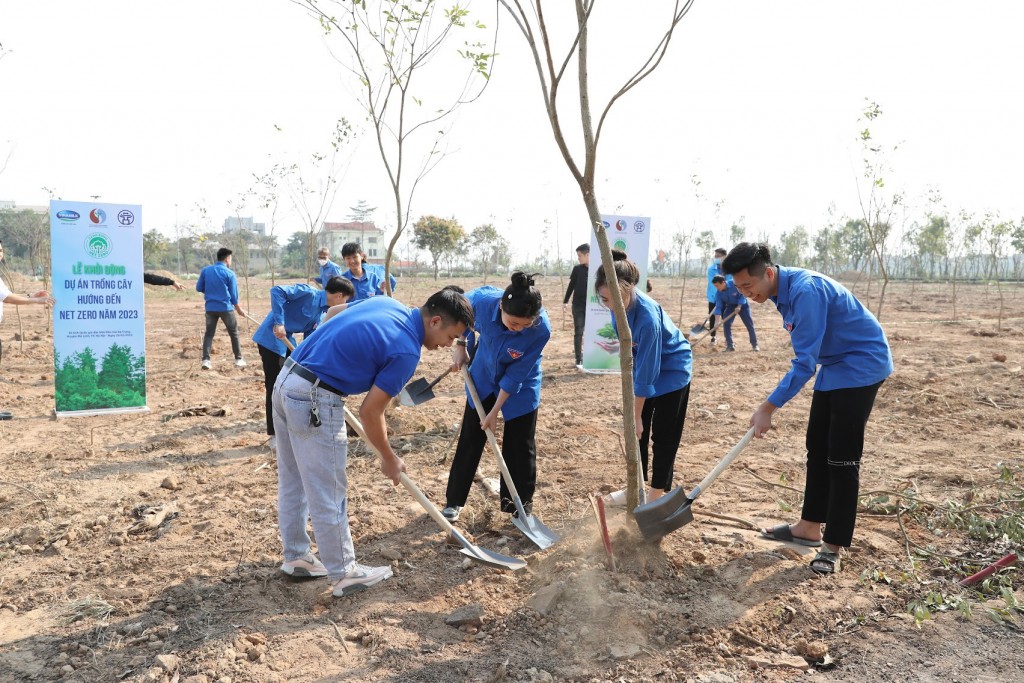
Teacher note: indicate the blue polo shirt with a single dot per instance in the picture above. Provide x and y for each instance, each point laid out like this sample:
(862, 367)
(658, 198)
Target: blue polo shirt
(728, 298)
(376, 343)
(371, 283)
(832, 331)
(297, 307)
(503, 359)
(327, 271)
(220, 287)
(662, 361)
(713, 270)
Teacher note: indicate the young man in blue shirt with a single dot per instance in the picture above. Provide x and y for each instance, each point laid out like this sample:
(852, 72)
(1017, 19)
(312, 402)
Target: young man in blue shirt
(372, 348)
(368, 280)
(714, 269)
(220, 288)
(293, 309)
(727, 300)
(328, 268)
(833, 333)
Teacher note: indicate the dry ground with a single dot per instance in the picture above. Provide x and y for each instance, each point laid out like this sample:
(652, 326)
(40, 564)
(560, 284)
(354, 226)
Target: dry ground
(85, 598)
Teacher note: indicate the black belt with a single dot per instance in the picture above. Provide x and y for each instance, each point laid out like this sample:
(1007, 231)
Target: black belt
(305, 374)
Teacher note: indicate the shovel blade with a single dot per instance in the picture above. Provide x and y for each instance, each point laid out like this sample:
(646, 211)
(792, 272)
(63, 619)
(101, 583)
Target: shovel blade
(415, 393)
(697, 329)
(492, 559)
(535, 530)
(663, 516)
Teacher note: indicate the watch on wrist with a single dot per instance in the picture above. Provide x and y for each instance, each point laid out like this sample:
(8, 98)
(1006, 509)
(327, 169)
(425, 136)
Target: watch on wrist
(461, 342)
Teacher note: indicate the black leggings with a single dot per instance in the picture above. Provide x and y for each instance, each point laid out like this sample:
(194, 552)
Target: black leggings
(664, 416)
(271, 369)
(519, 449)
(711, 323)
(835, 443)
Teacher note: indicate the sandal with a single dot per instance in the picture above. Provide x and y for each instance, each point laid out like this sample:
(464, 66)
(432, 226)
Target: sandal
(825, 562)
(784, 532)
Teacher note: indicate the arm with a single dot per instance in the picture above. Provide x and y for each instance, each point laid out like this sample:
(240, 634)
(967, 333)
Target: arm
(647, 364)
(490, 420)
(371, 413)
(333, 311)
(278, 298)
(40, 297)
(638, 409)
(571, 287)
(233, 290)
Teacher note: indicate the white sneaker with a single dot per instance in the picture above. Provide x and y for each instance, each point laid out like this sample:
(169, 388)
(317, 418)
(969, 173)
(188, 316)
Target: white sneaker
(240, 363)
(451, 513)
(616, 499)
(206, 365)
(360, 578)
(306, 567)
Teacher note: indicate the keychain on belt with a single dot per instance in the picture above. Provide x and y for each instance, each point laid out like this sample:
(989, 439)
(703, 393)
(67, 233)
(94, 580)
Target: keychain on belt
(314, 408)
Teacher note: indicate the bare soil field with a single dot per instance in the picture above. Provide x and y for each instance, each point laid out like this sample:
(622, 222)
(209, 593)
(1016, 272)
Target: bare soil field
(90, 592)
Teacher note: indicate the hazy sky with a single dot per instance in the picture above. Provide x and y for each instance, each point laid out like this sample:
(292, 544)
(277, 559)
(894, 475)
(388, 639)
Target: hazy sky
(167, 104)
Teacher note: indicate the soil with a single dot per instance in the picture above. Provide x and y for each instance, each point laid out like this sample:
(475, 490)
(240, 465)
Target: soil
(88, 593)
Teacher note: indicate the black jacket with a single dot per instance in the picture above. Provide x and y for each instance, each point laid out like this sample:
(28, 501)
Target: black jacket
(577, 288)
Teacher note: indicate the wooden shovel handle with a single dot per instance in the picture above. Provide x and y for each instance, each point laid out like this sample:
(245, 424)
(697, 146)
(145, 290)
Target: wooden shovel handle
(490, 435)
(722, 464)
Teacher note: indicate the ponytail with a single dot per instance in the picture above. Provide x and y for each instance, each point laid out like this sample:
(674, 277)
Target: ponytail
(522, 299)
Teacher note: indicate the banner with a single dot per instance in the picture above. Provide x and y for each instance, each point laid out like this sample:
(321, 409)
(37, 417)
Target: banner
(99, 336)
(631, 234)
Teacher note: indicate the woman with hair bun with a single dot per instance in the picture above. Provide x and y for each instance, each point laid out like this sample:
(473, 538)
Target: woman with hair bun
(506, 347)
(662, 367)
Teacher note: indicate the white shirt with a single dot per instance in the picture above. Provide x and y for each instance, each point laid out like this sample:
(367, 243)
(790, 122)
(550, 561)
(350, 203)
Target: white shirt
(4, 293)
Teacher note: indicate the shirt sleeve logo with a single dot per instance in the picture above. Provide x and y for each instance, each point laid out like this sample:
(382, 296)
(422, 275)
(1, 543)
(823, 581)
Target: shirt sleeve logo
(789, 326)
(515, 354)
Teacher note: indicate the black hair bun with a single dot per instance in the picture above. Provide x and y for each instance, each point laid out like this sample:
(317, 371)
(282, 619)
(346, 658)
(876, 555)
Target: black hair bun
(521, 280)
(453, 288)
(619, 255)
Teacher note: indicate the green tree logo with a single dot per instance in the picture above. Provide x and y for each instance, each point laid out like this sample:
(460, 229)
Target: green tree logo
(97, 245)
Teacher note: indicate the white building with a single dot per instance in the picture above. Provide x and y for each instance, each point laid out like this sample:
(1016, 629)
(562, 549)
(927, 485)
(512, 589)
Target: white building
(366, 234)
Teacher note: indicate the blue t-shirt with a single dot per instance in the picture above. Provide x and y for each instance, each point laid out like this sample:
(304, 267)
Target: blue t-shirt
(220, 287)
(728, 298)
(713, 270)
(371, 283)
(503, 359)
(327, 271)
(376, 343)
(297, 307)
(831, 330)
(662, 360)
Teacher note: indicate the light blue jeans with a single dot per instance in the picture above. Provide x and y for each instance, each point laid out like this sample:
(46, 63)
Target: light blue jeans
(311, 479)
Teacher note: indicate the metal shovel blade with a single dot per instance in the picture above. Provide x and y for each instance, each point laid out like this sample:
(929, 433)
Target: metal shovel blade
(488, 557)
(697, 329)
(416, 392)
(535, 530)
(663, 516)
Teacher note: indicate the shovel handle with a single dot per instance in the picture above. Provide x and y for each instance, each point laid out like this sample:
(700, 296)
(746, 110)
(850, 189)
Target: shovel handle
(724, 320)
(408, 483)
(506, 475)
(722, 464)
(439, 378)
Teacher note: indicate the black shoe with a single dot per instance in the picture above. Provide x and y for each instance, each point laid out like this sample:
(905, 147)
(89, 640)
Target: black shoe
(6, 415)
(730, 348)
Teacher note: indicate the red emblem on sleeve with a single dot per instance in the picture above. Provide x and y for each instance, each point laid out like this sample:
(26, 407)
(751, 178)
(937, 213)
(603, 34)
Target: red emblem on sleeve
(515, 354)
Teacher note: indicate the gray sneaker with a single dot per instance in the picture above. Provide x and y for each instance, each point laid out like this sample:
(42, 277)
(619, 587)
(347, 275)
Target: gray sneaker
(306, 567)
(451, 513)
(206, 365)
(359, 578)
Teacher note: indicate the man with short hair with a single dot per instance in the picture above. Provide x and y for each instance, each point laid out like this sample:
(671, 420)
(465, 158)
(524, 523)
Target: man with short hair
(727, 300)
(714, 269)
(293, 309)
(41, 297)
(328, 268)
(220, 289)
(577, 289)
(371, 348)
(835, 335)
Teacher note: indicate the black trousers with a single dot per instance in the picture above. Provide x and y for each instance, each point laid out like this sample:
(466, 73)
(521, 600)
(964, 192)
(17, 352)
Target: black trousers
(230, 322)
(272, 364)
(519, 449)
(579, 322)
(711, 325)
(664, 417)
(835, 443)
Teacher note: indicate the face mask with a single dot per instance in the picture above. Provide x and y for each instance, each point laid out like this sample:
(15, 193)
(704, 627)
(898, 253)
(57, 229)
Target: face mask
(718, 261)
(322, 261)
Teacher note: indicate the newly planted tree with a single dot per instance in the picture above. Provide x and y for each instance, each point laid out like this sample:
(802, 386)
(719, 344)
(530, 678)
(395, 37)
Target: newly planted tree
(551, 63)
(392, 46)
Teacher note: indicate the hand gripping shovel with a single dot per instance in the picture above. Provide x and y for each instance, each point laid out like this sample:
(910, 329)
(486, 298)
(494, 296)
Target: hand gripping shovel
(419, 391)
(673, 510)
(487, 557)
(531, 527)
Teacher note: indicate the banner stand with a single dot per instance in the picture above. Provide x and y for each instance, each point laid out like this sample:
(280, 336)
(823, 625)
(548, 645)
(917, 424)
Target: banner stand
(631, 234)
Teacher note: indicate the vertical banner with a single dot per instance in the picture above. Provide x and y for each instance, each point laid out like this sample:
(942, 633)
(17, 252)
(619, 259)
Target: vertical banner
(631, 234)
(99, 340)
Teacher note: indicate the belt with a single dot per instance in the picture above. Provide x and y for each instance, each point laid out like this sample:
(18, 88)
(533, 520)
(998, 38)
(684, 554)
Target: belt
(305, 374)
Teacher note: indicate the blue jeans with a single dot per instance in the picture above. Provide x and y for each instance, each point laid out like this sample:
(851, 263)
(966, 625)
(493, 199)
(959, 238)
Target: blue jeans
(311, 478)
(748, 322)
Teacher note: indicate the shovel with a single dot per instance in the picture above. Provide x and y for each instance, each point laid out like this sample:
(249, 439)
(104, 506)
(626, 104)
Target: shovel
(697, 329)
(531, 527)
(419, 391)
(701, 327)
(471, 551)
(674, 510)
